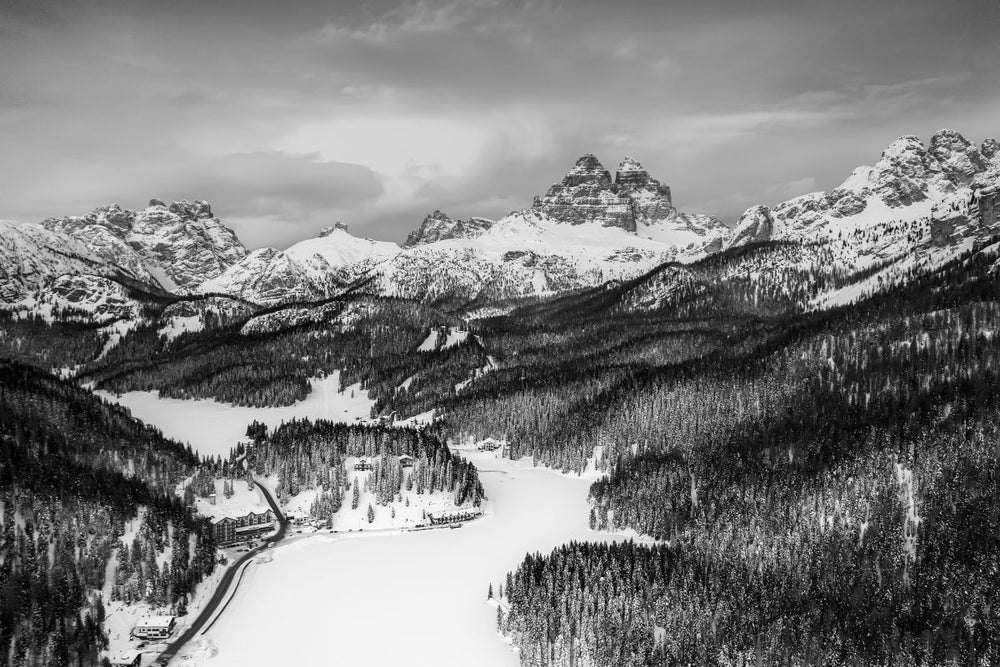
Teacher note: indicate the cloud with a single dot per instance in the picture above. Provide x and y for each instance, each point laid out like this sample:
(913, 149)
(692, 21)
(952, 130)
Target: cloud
(288, 117)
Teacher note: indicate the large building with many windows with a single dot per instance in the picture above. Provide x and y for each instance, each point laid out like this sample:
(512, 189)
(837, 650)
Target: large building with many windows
(234, 529)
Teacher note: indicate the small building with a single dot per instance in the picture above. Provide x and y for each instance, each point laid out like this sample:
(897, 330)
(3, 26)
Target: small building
(154, 627)
(489, 445)
(363, 464)
(405, 461)
(127, 658)
(387, 419)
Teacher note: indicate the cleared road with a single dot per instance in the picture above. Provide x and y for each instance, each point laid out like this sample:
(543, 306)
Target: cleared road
(221, 592)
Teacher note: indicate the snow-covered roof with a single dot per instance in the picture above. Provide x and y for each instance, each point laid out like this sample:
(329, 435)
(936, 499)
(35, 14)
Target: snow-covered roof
(126, 656)
(155, 622)
(244, 499)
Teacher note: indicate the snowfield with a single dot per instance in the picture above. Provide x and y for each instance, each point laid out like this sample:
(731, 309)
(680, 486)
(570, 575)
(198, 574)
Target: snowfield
(213, 428)
(400, 598)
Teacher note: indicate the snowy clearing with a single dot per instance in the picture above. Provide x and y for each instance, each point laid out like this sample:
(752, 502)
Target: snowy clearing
(326, 596)
(213, 428)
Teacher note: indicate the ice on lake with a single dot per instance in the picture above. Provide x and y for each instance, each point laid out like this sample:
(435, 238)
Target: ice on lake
(414, 599)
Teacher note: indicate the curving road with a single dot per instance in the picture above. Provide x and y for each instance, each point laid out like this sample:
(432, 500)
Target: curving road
(227, 579)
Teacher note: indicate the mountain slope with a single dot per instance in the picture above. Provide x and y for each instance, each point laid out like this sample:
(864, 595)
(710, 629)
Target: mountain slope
(31, 255)
(915, 209)
(310, 270)
(178, 245)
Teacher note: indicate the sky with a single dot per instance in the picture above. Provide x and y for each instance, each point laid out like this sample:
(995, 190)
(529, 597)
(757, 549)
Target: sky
(290, 116)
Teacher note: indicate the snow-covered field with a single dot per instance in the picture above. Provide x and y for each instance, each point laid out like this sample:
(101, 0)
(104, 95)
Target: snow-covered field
(213, 428)
(412, 598)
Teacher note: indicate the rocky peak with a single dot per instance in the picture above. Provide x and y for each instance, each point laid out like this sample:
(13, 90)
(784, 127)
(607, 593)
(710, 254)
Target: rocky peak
(337, 227)
(588, 170)
(958, 158)
(755, 225)
(175, 246)
(900, 176)
(438, 226)
(586, 195)
(990, 149)
(196, 210)
(649, 198)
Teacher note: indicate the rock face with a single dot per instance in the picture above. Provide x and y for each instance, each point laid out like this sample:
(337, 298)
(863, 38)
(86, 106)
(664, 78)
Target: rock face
(586, 195)
(176, 246)
(85, 297)
(909, 184)
(915, 209)
(649, 199)
(635, 202)
(755, 225)
(32, 256)
(439, 227)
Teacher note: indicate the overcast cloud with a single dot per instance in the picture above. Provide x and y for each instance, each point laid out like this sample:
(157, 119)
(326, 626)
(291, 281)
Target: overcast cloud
(290, 116)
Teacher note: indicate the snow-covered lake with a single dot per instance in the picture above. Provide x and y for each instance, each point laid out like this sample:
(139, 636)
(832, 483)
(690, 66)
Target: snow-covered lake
(213, 428)
(389, 598)
(416, 598)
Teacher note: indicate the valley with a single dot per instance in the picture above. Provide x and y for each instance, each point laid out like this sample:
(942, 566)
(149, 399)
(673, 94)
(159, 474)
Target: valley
(771, 443)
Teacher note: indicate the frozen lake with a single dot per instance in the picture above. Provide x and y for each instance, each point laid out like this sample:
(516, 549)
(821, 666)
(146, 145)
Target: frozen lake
(415, 598)
(401, 598)
(213, 428)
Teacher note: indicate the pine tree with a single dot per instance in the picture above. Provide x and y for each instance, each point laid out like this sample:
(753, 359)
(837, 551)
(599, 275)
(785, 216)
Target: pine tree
(489, 595)
(355, 495)
(371, 513)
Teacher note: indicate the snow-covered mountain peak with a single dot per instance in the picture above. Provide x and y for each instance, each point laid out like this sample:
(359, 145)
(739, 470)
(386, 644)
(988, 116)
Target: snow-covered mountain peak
(859, 180)
(337, 247)
(990, 149)
(588, 167)
(337, 226)
(439, 227)
(958, 158)
(175, 246)
(755, 225)
(308, 270)
(629, 164)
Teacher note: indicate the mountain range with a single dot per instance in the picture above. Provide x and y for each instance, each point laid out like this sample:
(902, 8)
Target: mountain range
(917, 207)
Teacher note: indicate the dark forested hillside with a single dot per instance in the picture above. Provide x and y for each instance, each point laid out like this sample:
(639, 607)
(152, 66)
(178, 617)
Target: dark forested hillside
(829, 496)
(268, 359)
(74, 471)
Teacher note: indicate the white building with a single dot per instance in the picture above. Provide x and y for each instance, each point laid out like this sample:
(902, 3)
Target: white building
(127, 658)
(154, 627)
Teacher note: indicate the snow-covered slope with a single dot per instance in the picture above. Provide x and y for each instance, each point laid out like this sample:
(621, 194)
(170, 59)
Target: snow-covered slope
(587, 229)
(32, 256)
(86, 298)
(175, 246)
(522, 253)
(309, 270)
(439, 227)
(916, 208)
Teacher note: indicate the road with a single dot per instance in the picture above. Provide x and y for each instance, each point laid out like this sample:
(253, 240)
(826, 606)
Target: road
(221, 592)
